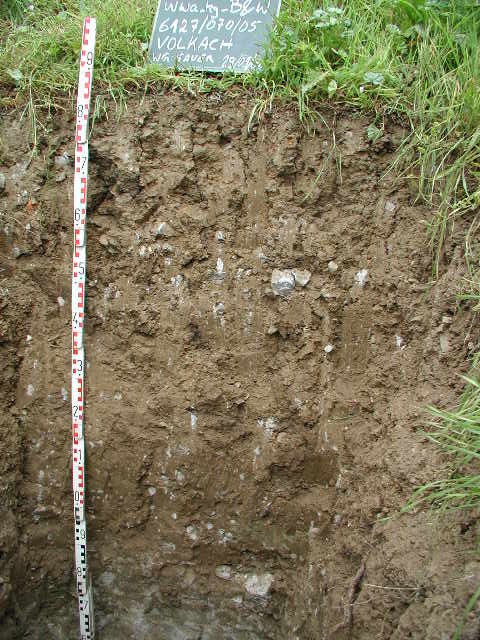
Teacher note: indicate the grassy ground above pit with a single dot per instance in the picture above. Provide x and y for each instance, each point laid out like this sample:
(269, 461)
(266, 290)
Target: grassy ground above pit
(418, 59)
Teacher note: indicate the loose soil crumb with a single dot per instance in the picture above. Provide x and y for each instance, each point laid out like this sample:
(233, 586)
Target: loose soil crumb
(261, 337)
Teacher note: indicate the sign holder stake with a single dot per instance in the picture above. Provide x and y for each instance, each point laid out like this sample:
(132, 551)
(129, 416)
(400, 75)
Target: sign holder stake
(85, 76)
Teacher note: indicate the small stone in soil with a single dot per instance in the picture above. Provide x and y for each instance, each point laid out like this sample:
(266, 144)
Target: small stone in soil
(301, 277)
(283, 282)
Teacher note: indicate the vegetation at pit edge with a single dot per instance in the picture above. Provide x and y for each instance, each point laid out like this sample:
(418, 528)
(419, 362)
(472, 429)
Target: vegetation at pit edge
(418, 59)
(414, 59)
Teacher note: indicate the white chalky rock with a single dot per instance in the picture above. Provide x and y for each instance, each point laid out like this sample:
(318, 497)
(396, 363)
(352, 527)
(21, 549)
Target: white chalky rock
(224, 572)
(192, 532)
(332, 266)
(269, 425)
(302, 278)
(361, 277)
(328, 348)
(218, 309)
(283, 282)
(258, 585)
(164, 230)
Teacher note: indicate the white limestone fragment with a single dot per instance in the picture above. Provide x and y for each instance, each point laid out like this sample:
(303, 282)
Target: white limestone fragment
(269, 425)
(224, 572)
(361, 277)
(192, 532)
(283, 282)
(164, 230)
(302, 278)
(218, 309)
(258, 584)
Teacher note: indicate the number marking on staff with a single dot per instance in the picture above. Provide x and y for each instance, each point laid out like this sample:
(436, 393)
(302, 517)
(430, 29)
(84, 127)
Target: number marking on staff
(83, 582)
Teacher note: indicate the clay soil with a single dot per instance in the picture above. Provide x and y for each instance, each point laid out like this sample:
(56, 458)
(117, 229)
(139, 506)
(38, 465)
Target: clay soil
(244, 449)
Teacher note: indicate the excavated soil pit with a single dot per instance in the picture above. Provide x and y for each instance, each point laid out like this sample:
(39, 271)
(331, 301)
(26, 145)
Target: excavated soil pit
(242, 446)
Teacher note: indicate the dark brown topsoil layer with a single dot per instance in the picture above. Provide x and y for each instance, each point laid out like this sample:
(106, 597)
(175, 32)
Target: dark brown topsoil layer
(242, 446)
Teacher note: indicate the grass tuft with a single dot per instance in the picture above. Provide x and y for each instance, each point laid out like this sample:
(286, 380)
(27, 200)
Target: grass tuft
(457, 433)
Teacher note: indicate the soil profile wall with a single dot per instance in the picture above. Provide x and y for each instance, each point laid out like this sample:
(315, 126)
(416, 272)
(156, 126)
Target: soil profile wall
(260, 337)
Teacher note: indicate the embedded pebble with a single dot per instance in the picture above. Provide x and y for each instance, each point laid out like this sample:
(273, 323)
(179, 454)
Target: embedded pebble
(224, 572)
(269, 425)
(332, 266)
(390, 206)
(258, 585)
(361, 277)
(444, 343)
(328, 348)
(164, 230)
(283, 282)
(192, 532)
(302, 278)
(60, 301)
(2, 182)
(218, 309)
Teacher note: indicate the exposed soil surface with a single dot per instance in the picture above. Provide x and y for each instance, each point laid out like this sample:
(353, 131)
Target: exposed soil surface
(242, 446)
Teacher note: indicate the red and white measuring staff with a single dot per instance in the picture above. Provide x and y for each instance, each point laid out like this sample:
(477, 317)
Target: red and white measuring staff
(83, 583)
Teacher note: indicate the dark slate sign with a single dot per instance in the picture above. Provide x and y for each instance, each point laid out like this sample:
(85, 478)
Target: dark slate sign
(211, 35)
